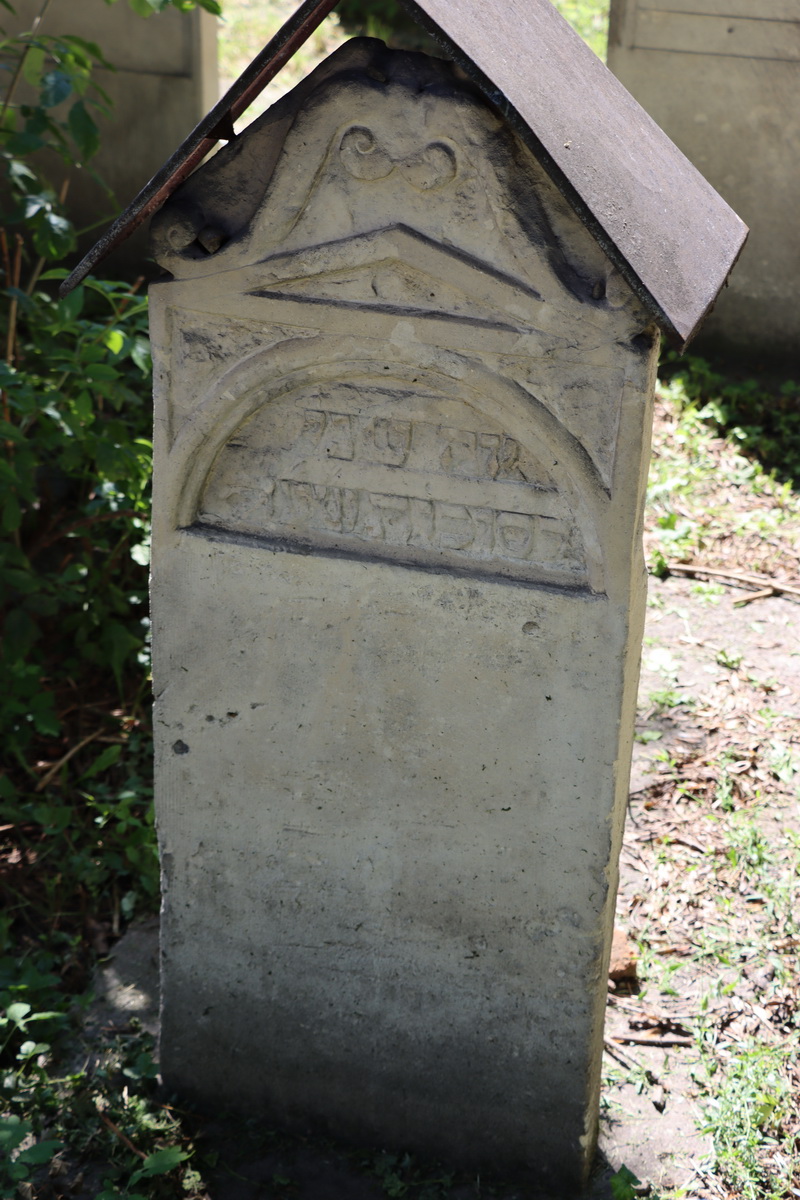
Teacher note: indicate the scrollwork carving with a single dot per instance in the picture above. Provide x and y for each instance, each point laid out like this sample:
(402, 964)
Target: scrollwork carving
(362, 154)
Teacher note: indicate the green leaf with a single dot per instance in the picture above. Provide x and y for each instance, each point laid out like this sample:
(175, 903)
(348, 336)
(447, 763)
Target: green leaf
(101, 371)
(118, 644)
(22, 581)
(20, 173)
(36, 202)
(13, 1131)
(211, 6)
(145, 8)
(33, 65)
(16, 1013)
(43, 714)
(28, 1049)
(84, 131)
(7, 792)
(141, 354)
(107, 759)
(159, 1163)
(56, 86)
(53, 235)
(70, 308)
(114, 339)
(624, 1184)
(20, 631)
(84, 407)
(24, 143)
(42, 1152)
(12, 514)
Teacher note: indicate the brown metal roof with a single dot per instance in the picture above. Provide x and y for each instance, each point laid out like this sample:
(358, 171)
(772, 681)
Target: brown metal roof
(671, 235)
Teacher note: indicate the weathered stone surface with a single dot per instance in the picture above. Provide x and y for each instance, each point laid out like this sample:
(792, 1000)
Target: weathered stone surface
(402, 423)
(722, 78)
(164, 82)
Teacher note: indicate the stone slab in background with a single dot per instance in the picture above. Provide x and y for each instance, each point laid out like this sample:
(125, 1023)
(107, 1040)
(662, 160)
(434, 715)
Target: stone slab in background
(722, 79)
(165, 81)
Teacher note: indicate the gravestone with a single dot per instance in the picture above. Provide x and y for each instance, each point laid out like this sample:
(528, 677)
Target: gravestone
(401, 437)
(722, 78)
(164, 79)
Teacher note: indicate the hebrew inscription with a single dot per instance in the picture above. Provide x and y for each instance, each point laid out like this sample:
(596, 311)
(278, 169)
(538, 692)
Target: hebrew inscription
(395, 473)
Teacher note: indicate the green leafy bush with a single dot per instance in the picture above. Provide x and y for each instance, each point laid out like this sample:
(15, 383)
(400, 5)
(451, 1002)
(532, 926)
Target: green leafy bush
(763, 421)
(73, 503)
(77, 846)
(146, 8)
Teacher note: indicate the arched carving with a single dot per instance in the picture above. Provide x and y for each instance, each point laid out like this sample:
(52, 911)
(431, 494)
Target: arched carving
(404, 465)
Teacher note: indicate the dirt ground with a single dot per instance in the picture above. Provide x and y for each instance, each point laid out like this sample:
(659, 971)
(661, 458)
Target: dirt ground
(689, 635)
(707, 667)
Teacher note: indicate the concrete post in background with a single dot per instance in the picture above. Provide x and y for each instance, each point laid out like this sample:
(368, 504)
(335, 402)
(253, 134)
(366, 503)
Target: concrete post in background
(722, 78)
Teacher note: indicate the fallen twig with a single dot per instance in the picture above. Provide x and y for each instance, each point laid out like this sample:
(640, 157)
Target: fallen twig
(633, 1064)
(665, 1039)
(56, 767)
(648, 1015)
(616, 1052)
(679, 841)
(764, 594)
(768, 587)
(115, 1129)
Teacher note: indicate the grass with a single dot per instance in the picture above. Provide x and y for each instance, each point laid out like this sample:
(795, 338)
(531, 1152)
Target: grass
(750, 1106)
(715, 495)
(714, 910)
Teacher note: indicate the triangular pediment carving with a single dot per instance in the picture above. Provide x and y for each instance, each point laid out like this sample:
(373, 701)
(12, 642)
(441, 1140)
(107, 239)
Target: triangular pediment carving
(398, 270)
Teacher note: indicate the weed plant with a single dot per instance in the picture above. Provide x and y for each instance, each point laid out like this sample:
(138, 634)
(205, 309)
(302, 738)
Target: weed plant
(762, 421)
(699, 461)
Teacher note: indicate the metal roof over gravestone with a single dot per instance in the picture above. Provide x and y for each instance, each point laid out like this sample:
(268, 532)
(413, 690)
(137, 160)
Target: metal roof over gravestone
(669, 233)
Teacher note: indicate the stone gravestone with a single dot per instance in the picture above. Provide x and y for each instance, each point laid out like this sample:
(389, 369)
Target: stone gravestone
(164, 80)
(402, 431)
(722, 78)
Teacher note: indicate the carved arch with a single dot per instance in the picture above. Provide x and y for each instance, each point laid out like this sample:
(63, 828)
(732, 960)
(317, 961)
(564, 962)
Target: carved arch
(459, 471)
